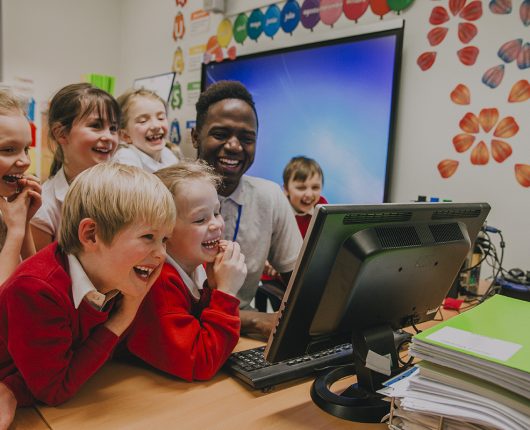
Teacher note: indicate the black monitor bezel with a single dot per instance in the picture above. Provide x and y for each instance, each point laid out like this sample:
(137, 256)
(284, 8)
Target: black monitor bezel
(302, 298)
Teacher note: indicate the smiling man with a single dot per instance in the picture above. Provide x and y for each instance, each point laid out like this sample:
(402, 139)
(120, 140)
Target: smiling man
(256, 213)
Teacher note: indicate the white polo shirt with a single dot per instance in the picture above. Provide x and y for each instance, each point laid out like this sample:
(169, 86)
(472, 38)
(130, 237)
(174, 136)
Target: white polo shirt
(132, 156)
(259, 217)
(48, 216)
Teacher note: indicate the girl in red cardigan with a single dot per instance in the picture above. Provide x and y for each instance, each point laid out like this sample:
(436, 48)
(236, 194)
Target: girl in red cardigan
(189, 323)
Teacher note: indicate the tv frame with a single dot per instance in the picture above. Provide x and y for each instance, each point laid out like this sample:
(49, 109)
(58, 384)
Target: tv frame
(371, 32)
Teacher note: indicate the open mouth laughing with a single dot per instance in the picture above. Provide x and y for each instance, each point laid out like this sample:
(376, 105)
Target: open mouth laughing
(211, 244)
(103, 150)
(229, 163)
(154, 137)
(12, 179)
(143, 272)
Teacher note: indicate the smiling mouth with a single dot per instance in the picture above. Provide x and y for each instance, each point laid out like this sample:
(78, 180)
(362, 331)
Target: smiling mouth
(12, 179)
(143, 272)
(104, 151)
(154, 137)
(211, 244)
(229, 163)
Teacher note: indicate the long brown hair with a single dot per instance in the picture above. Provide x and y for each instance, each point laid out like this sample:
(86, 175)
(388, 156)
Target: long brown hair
(73, 103)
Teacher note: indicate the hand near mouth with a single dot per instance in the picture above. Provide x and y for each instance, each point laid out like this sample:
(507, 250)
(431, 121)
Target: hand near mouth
(19, 208)
(30, 185)
(228, 271)
(127, 306)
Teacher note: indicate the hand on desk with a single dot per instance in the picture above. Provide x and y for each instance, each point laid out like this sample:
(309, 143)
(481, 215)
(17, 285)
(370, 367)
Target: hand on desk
(257, 323)
(8, 406)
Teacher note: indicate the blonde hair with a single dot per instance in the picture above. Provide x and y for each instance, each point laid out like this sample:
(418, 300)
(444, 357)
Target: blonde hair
(114, 196)
(10, 103)
(126, 99)
(176, 176)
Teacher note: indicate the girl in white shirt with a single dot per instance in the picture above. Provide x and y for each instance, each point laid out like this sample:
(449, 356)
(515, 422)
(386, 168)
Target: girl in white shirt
(83, 125)
(143, 129)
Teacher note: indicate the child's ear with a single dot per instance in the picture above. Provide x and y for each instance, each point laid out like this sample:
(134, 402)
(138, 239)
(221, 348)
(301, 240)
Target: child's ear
(59, 133)
(125, 136)
(284, 188)
(87, 233)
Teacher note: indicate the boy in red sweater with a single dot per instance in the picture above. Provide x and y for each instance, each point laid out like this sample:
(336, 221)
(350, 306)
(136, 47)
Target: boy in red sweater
(302, 184)
(189, 323)
(64, 309)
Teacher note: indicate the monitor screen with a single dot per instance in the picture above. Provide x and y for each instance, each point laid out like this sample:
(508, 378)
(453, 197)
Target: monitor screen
(368, 265)
(363, 272)
(160, 84)
(334, 101)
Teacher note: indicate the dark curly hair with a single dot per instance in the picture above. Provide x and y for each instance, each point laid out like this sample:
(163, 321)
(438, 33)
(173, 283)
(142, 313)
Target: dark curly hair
(218, 91)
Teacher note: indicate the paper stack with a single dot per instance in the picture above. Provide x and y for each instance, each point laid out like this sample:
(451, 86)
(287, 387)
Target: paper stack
(475, 371)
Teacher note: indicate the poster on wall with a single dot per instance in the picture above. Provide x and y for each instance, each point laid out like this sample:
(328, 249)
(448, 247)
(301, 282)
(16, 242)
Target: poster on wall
(193, 93)
(195, 55)
(199, 22)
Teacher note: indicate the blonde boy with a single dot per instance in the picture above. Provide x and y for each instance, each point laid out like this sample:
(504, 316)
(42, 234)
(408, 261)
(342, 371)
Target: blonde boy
(61, 317)
(189, 323)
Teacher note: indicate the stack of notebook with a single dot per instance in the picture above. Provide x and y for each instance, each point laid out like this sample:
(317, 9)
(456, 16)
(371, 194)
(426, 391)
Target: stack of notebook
(474, 372)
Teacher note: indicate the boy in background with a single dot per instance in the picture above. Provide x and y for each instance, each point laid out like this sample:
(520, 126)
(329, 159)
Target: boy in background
(64, 309)
(189, 323)
(302, 184)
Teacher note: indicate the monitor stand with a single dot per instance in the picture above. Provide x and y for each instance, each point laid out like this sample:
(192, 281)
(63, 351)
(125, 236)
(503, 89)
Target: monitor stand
(360, 402)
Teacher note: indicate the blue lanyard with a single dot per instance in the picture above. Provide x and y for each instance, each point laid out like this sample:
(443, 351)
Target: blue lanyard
(239, 210)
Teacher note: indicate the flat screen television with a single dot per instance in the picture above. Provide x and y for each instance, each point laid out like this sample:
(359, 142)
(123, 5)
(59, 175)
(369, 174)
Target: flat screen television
(363, 272)
(334, 101)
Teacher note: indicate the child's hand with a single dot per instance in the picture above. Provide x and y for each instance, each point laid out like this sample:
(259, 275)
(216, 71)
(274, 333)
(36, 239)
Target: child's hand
(14, 212)
(8, 406)
(228, 271)
(269, 271)
(18, 209)
(127, 307)
(31, 185)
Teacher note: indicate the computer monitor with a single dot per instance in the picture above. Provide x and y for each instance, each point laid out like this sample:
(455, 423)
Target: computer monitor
(364, 271)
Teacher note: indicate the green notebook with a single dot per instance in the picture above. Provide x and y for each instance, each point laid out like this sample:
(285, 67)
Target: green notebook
(497, 331)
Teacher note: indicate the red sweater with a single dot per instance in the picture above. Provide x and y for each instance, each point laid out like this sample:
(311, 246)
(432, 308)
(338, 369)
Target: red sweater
(179, 335)
(304, 220)
(46, 345)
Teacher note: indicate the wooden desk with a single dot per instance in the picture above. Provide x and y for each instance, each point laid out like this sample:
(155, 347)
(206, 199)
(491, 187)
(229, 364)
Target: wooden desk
(125, 396)
(128, 396)
(28, 419)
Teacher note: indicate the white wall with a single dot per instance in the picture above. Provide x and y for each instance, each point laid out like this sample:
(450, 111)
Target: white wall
(133, 38)
(55, 42)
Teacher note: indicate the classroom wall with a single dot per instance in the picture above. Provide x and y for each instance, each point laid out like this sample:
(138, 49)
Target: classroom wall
(141, 33)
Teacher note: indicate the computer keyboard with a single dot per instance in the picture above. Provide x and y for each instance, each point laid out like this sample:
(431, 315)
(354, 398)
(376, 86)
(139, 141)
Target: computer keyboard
(251, 367)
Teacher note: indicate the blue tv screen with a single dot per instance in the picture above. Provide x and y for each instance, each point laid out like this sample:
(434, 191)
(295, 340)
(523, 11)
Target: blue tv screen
(333, 101)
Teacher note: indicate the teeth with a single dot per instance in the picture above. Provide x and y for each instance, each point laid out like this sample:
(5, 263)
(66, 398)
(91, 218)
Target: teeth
(12, 178)
(143, 271)
(103, 150)
(229, 161)
(155, 137)
(211, 243)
